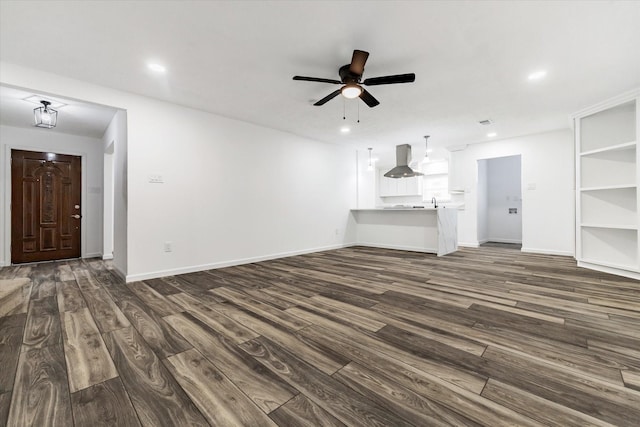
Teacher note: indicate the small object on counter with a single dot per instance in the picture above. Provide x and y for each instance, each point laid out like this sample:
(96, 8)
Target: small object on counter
(418, 207)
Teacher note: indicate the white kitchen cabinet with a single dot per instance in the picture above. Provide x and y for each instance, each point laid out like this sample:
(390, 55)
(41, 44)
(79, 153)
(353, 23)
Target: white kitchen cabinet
(390, 187)
(607, 186)
(436, 180)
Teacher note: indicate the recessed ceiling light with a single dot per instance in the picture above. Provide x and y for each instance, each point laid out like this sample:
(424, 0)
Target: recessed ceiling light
(157, 68)
(345, 129)
(492, 134)
(537, 75)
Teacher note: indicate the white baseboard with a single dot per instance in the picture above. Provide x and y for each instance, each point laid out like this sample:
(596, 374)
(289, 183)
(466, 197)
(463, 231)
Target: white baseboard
(118, 273)
(610, 270)
(107, 256)
(401, 248)
(498, 240)
(469, 244)
(92, 255)
(229, 263)
(547, 251)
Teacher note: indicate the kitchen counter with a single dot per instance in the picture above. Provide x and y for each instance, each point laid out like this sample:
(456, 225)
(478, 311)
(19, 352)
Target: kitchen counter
(430, 230)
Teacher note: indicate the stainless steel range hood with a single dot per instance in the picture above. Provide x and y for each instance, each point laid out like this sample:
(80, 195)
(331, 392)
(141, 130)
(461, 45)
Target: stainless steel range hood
(403, 158)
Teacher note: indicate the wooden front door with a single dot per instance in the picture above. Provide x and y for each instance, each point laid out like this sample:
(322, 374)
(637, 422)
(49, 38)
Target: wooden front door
(45, 206)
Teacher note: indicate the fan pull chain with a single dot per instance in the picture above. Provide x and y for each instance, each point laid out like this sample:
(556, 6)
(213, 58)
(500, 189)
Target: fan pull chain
(358, 111)
(344, 109)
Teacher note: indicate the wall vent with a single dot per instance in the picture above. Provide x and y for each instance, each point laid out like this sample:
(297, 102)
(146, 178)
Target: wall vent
(485, 122)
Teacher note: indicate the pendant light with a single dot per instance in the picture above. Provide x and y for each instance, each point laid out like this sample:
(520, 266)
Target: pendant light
(44, 116)
(370, 167)
(426, 148)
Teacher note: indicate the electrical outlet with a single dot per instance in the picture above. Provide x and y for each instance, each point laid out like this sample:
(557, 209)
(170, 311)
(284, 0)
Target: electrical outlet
(337, 231)
(167, 247)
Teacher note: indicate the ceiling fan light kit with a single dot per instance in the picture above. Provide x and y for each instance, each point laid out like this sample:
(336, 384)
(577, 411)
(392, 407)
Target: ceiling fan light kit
(350, 76)
(351, 91)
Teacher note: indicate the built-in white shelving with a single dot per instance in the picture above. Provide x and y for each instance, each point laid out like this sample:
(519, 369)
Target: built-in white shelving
(607, 186)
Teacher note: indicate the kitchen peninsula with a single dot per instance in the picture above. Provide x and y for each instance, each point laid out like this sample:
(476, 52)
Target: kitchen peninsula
(430, 230)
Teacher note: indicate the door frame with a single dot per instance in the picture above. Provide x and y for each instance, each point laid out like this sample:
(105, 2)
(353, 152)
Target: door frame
(7, 196)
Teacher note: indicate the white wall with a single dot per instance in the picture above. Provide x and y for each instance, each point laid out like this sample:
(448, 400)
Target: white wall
(547, 189)
(367, 181)
(233, 192)
(115, 230)
(36, 139)
(503, 193)
(482, 202)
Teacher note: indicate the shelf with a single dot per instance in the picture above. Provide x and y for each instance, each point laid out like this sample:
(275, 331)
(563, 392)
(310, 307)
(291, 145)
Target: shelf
(608, 187)
(610, 226)
(611, 264)
(613, 206)
(610, 246)
(608, 128)
(625, 146)
(608, 168)
(436, 173)
(607, 190)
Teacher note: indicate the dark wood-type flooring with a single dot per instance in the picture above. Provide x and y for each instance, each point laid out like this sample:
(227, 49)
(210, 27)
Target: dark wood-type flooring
(357, 336)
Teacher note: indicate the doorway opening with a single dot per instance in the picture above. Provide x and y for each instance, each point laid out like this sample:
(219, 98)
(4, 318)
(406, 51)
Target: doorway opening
(45, 206)
(500, 202)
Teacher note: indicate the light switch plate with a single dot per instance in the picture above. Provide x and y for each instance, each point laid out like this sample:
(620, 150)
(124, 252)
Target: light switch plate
(156, 179)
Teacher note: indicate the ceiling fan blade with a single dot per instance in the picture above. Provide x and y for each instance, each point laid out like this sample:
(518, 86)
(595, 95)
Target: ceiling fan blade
(358, 60)
(317, 79)
(328, 97)
(368, 98)
(387, 80)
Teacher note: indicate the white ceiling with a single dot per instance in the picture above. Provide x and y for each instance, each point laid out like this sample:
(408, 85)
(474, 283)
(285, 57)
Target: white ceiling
(75, 117)
(237, 58)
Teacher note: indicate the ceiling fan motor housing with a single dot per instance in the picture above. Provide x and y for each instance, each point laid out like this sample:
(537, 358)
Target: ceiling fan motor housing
(346, 76)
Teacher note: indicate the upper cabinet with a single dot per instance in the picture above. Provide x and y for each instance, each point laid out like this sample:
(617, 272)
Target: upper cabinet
(607, 186)
(390, 187)
(436, 179)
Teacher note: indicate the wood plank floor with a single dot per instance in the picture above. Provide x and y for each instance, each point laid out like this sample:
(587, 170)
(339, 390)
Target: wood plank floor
(356, 337)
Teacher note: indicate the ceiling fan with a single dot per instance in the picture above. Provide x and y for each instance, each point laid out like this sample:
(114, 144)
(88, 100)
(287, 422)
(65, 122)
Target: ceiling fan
(350, 76)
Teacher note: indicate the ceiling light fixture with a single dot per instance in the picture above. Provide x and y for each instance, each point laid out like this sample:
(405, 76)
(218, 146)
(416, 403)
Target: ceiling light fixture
(492, 134)
(351, 91)
(427, 151)
(345, 129)
(44, 116)
(157, 68)
(537, 75)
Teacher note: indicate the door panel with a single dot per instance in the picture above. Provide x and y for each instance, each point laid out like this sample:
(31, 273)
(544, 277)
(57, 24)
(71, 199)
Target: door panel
(45, 190)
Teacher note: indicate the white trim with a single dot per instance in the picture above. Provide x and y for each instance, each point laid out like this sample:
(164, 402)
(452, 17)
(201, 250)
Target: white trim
(547, 251)
(399, 248)
(469, 244)
(230, 263)
(107, 256)
(611, 102)
(92, 255)
(119, 274)
(610, 270)
(498, 240)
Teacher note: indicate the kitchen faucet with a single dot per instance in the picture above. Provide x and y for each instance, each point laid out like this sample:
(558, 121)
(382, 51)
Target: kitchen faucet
(435, 202)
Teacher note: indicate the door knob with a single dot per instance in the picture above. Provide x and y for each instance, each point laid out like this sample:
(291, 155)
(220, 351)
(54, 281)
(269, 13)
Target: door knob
(76, 216)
